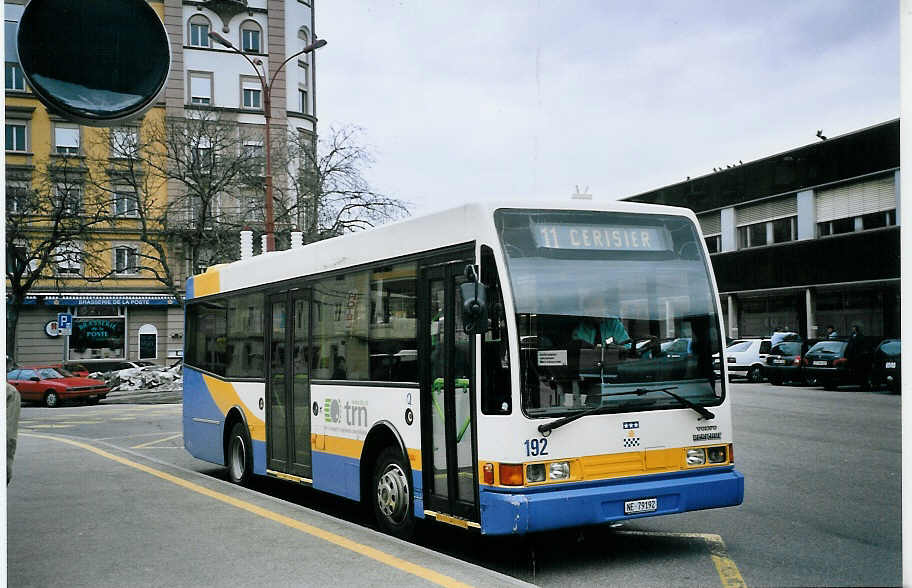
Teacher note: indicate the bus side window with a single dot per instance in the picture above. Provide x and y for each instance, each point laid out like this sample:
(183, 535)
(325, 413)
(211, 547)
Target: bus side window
(495, 363)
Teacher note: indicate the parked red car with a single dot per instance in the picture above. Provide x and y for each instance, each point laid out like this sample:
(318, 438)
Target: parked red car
(52, 385)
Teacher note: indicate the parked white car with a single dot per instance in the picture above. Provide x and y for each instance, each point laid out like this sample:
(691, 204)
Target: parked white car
(745, 358)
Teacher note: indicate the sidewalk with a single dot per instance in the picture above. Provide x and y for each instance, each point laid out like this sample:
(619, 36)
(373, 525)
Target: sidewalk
(85, 513)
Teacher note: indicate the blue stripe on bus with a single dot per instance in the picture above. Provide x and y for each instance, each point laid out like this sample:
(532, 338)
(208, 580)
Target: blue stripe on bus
(202, 440)
(341, 475)
(526, 510)
(337, 474)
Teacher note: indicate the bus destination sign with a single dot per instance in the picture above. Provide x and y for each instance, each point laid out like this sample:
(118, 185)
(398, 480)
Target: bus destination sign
(599, 237)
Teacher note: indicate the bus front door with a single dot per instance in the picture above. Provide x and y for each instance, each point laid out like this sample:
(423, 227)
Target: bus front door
(288, 384)
(448, 443)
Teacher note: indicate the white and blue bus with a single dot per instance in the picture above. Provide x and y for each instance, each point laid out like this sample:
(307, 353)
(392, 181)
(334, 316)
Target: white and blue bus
(511, 368)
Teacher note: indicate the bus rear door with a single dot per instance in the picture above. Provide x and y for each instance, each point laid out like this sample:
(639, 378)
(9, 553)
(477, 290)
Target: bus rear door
(288, 384)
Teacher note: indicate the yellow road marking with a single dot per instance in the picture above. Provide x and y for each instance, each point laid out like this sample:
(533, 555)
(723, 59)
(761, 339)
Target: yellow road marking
(50, 426)
(156, 441)
(370, 552)
(725, 566)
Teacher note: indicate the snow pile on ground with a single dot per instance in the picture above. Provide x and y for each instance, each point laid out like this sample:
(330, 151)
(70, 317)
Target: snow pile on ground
(160, 379)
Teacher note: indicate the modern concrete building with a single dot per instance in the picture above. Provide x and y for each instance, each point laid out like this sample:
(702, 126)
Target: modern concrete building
(806, 238)
(129, 314)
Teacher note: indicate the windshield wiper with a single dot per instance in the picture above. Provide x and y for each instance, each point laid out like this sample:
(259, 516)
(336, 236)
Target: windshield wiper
(701, 410)
(546, 428)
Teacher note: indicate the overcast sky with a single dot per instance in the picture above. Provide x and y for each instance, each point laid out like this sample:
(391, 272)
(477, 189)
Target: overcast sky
(479, 100)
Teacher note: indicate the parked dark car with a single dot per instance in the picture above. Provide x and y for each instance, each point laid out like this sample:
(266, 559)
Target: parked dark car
(53, 386)
(838, 362)
(886, 366)
(785, 362)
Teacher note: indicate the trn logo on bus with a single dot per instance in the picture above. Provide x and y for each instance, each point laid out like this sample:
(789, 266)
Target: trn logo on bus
(355, 412)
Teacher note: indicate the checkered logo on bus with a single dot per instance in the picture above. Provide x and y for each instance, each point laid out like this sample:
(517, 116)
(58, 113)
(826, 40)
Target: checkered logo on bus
(631, 440)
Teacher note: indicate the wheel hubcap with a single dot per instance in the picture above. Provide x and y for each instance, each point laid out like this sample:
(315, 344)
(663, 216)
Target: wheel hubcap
(52, 400)
(393, 493)
(238, 458)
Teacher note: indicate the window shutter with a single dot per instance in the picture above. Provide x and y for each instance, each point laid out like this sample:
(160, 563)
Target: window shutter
(856, 199)
(766, 211)
(711, 224)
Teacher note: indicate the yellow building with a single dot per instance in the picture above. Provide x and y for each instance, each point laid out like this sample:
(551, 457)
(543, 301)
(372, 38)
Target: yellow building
(57, 173)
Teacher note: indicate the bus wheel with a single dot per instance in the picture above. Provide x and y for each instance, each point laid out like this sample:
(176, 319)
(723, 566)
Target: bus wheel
(239, 457)
(392, 495)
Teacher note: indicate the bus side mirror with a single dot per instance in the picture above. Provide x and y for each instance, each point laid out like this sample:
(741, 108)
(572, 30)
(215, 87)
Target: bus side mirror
(474, 303)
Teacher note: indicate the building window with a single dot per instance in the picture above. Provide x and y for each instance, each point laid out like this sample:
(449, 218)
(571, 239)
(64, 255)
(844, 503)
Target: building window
(251, 37)
(14, 78)
(16, 198)
(768, 232)
(303, 102)
(69, 199)
(17, 258)
(714, 243)
(201, 154)
(126, 204)
(199, 31)
(66, 139)
(15, 136)
(126, 260)
(252, 98)
(98, 333)
(784, 229)
(752, 235)
(877, 220)
(200, 88)
(124, 143)
(68, 259)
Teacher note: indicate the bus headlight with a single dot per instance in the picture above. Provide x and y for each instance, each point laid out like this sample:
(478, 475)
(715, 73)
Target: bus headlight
(716, 454)
(535, 472)
(696, 456)
(559, 470)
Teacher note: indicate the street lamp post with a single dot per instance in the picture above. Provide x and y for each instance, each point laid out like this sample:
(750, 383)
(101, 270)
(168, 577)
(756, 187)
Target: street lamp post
(266, 84)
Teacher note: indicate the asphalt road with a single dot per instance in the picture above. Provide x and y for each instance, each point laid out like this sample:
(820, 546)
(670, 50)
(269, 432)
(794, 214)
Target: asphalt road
(822, 507)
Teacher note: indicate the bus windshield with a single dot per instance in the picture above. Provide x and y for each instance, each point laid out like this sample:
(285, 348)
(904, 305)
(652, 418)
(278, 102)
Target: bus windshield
(606, 302)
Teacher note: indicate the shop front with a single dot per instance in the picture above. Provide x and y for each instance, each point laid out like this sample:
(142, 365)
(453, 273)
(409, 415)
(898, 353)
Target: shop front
(105, 326)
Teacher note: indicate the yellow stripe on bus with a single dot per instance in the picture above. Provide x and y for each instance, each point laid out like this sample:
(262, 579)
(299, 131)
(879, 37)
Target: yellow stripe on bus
(225, 397)
(619, 465)
(207, 283)
(353, 448)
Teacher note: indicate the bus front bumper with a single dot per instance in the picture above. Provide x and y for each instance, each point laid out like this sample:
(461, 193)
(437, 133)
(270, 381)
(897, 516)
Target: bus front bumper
(507, 511)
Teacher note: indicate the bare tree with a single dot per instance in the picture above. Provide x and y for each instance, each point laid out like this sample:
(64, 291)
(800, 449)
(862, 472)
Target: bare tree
(49, 226)
(213, 172)
(327, 194)
(188, 185)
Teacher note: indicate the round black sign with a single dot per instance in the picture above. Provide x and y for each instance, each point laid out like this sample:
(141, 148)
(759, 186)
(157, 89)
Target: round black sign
(316, 409)
(97, 62)
(409, 417)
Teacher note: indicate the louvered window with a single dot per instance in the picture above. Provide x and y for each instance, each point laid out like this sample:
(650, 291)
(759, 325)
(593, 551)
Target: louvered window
(856, 199)
(766, 211)
(711, 223)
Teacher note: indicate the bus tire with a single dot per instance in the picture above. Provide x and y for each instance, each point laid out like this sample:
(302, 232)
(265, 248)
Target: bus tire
(239, 456)
(391, 494)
